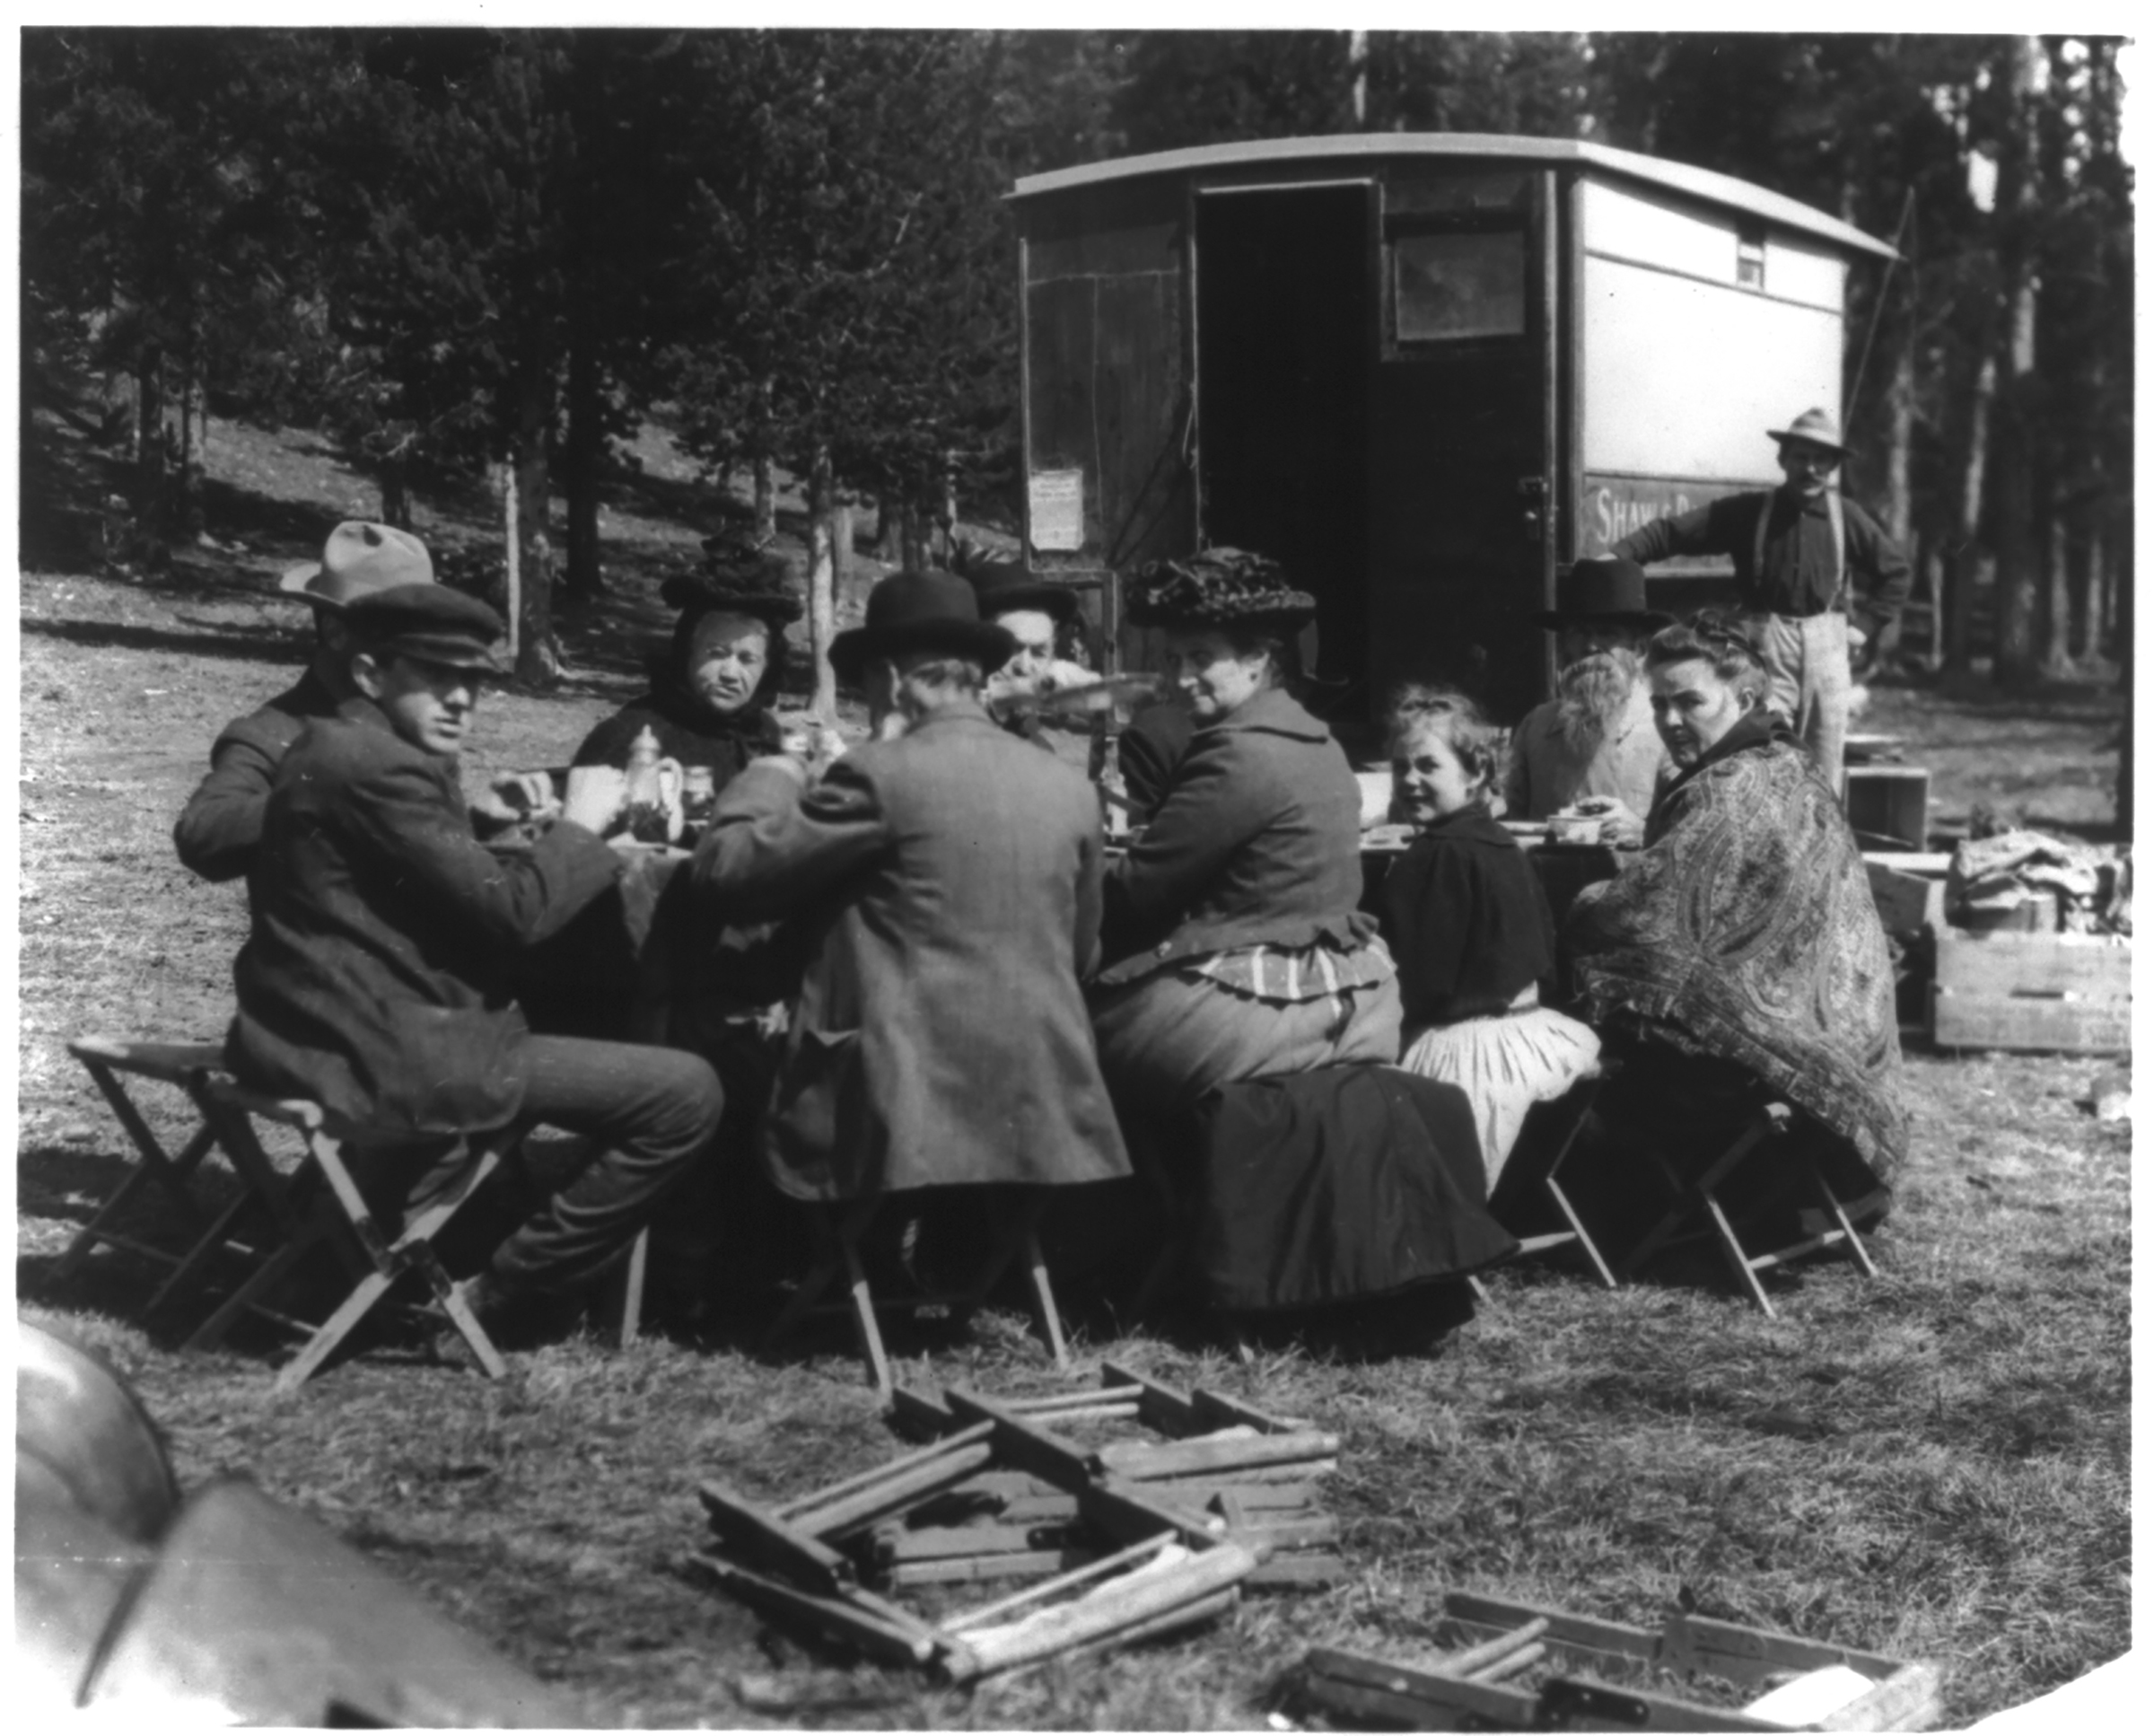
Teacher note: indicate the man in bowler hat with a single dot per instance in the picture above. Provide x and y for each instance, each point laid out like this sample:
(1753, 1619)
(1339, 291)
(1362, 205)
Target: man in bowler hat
(1595, 742)
(1798, 549)
(944, 879)
(375, 979)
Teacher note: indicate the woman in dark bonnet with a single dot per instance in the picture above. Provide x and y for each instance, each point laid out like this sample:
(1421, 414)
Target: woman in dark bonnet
(713, 689)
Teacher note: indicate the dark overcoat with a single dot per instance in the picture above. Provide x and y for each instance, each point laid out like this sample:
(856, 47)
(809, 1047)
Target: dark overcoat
(221, 826)
(375, 979)
(947, 885)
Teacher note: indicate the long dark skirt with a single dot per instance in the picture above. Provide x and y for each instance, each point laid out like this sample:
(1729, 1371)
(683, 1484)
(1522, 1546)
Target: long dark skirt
(1338, 1185)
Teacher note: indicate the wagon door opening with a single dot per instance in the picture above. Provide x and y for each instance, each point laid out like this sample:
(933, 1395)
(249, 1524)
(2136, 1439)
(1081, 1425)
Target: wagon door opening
(1285, 308)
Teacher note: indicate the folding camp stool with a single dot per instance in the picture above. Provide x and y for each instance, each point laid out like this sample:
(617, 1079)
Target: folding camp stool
(340, 1216)
(1555, 1124)
(1697, 1199)
(188, 1067)
(839, 1229)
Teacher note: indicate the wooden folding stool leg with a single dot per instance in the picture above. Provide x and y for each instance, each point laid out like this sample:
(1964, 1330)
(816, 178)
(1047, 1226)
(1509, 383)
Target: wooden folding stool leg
(1691, 1199)
(183, 1066)
(291, 1229)
(838, 1228)
(1576, 1234)
(1021, 1234)
(412, 1250)
(634, 1271)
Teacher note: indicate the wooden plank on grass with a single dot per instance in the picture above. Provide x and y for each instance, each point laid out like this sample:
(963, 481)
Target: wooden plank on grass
(1162, 1407)
(1146, 1459)
(1297, 1570)
(1415, 1698)
(971, 1569)
(1029, 1445)
(1130, 1513)
(759, 1533)
(872, 1633)
(903, 1488)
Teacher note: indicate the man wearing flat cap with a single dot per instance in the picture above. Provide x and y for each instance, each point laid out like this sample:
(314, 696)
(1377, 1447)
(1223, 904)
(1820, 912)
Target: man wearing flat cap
(946, 880)
(222, 822)
(1595, 742)
(1798, 549)
(375, 976)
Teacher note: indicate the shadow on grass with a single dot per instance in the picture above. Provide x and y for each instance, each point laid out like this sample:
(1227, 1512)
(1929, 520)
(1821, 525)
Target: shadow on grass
(225, 640)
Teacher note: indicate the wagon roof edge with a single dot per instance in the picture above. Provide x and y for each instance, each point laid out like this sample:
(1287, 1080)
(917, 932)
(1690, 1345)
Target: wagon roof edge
(1707, 184)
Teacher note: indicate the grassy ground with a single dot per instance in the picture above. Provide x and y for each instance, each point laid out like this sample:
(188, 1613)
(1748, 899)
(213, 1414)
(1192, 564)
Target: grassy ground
(1933, 1465)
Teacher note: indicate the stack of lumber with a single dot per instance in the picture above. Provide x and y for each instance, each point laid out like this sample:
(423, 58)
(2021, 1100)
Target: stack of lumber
(1196, 1496)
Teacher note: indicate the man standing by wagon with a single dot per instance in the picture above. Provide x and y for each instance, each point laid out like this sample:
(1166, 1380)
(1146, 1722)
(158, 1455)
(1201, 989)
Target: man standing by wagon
(1798, 549)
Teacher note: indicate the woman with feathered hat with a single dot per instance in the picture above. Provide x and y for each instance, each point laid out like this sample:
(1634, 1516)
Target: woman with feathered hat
(1236, 945)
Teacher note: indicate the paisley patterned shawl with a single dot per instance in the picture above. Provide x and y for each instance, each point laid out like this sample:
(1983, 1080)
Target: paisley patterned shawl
(1746, 930)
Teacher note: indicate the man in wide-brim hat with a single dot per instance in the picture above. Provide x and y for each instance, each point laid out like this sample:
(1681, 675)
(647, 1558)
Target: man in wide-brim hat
(1798, 551)
(1035, 612)
(945, 878)
(221, 823)
(1595, 742)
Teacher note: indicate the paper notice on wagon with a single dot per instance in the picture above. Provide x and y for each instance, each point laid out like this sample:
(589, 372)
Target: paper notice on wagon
(1055, 509)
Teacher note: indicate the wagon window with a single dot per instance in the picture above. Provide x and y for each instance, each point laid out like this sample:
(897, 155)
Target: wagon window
(1458, 285)
(1750, 257)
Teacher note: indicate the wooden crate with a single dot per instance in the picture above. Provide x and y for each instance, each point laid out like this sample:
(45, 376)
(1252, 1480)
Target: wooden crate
(1908, 900)
(1888, 803)
(2068, 994)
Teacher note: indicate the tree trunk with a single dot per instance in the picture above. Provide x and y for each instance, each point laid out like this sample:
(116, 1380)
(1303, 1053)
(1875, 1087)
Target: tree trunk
(2094, 606)
(949, 507)
(1933, 568)
(822, 589)
(1967, 544)
(149, 440)
(538, 660)
(586, 452)
(2020, 554)
(395, 492)
(841, 541)
(2056, 651)
(766, 497)
(1899, 401)
(766, 483)
(914, 532)
(889, 545)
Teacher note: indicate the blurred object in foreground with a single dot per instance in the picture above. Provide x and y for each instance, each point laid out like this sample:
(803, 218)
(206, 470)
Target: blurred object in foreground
(227, 1609)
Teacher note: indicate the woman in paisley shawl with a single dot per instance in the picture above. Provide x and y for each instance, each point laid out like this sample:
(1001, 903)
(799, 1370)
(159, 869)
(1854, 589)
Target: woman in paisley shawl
(1739, 960)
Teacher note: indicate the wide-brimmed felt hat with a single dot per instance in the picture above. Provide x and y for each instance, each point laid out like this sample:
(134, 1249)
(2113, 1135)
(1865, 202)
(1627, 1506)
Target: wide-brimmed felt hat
(1609, 589)
(358, 559)
(921, 611)
(1818, 427)
(761, 596)
(429, 622)
(1001, 585)
(1221, 587)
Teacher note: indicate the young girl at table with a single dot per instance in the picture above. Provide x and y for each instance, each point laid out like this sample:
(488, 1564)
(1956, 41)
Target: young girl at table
(1470, 927)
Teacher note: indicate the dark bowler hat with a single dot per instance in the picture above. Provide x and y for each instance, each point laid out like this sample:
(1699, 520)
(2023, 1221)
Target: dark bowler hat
(1610, 589)
(428, 622)
(359, 559)
(1001, 585)
(921, 611)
